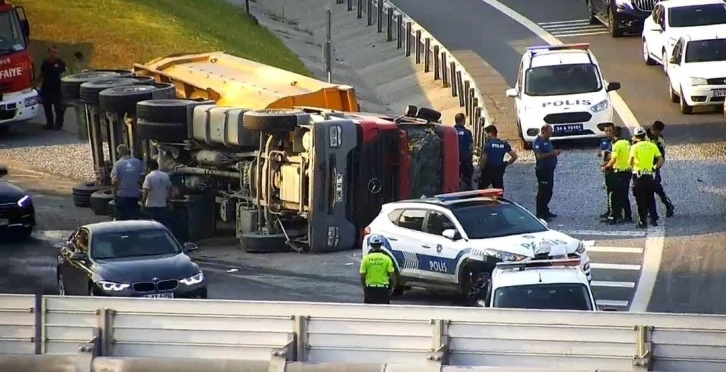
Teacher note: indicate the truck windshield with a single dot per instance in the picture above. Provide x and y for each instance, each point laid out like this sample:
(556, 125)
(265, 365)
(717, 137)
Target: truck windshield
(697, 15)
(706, 51)
(11, 36)
(561, 80)
(557, 296)
(485, 220)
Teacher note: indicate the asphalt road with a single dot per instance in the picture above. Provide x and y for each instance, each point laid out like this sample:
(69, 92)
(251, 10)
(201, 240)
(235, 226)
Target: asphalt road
(693, 259)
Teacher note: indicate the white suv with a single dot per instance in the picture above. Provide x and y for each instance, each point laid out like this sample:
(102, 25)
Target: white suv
(563, 86)
(673, 18)
(697, 70)
(453, 241)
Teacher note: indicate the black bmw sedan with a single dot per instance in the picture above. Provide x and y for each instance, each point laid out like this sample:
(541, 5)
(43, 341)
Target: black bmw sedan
(128, 259)
(17, 214)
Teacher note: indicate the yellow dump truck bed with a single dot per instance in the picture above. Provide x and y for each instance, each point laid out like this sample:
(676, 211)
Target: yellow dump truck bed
(234, 81)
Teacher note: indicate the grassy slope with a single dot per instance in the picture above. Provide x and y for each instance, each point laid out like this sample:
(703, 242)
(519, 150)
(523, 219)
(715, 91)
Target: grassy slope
(118, 33)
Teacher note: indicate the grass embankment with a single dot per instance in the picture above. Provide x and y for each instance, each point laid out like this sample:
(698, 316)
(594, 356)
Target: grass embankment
(119, 33)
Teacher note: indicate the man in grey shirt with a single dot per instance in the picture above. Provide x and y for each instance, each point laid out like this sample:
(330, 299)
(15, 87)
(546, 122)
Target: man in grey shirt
(126, 179)
(156, 193)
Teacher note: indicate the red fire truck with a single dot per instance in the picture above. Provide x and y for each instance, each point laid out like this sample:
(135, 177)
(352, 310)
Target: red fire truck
(18, 99)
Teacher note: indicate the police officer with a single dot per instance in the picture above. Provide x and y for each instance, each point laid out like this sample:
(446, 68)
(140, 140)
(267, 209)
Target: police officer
(377, 273)
(466, 166)
(655, 134)
(546, 162)
(645, 158)
(604, 152)
(492, 161)
(617, 178)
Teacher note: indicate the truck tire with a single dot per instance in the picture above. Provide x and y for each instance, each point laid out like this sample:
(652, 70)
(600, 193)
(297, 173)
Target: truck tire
(91, 89)
(71, 84)
(123, 100)
(428, 114)
(163, 120)
(274, 120)
(258, 242)
(99, 201)
(83, 191)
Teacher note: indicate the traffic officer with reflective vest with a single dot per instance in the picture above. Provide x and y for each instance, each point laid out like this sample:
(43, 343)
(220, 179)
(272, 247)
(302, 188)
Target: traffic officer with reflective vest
(645, 159)
(466, 140)
(377, 273)
(655, 134)
(617, 179)
(492, 161)
(546, 162)
(604, 152)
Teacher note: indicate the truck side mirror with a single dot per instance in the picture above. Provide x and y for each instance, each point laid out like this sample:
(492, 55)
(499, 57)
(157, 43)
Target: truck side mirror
(511, 93)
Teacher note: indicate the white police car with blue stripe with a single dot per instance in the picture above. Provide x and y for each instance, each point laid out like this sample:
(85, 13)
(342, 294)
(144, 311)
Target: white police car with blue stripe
(454, 241)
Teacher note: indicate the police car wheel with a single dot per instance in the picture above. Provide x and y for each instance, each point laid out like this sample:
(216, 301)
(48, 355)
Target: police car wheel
(685, 107)
(646, 54)
(258, 242)
(99, 202)
(71, 84)
(672, 95)
(268, 121)
(90, 90)
(123, 100)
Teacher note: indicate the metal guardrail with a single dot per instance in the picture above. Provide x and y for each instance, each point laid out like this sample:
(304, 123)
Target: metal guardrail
(318, 332)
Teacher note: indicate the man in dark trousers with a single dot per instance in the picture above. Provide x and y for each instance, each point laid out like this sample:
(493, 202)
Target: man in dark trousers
(51, 71)
(645, 159)
(617, 178)
(492, 161)
(655, 135)
(546, 162)
(377, 274)
(126, 181)
(466, 165)
(606, 148)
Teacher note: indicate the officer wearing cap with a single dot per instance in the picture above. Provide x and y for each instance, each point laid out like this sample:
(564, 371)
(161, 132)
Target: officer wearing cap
(545, 164)
(655, 135)
(466, 139)
(604, 152)
(645, 158)
(377, 273)
(492, 161)
(617, 175)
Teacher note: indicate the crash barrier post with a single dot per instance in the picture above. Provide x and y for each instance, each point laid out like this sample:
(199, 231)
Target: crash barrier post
(409, 27)
(399, 31)
(379, 18)
(359, 9)
(350, 5)
(369, 12)
(319, 332)
(417, 46)
(427, 55)
(389, 25)
(437, 63)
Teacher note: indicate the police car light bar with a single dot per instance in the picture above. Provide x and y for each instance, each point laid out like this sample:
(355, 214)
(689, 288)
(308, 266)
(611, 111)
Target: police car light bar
(580, 46)
(491, 193)
(522, 265)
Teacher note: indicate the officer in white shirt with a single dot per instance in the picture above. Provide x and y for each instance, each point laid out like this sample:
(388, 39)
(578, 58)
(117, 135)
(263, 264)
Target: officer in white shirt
(156, 194)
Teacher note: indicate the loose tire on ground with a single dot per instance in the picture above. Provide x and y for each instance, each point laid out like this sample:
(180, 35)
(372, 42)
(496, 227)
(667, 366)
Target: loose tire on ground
(123, 100)
(257, 242)
(99, 202)
(71, 84)
(274, 120)
(83, 191)
(91, 89)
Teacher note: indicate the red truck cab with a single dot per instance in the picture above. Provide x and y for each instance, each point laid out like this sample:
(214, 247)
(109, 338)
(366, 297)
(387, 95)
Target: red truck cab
(18, 100)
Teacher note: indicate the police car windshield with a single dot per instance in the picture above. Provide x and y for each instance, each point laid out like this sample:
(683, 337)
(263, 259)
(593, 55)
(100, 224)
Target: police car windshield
(485, 220)
(128, 244)
(557, 296)
(706, 51)
(11, 36)
(558, 80)
(697, 15)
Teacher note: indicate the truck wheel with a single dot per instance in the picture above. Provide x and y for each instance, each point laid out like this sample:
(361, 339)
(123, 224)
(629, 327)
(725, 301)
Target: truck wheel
(83, 191)
(428, 114)
(91, 89)
(99, 202)
(123, 100)
(163, 120)
(71, 84)
(473, 280)
(274, 120)
(258, 242)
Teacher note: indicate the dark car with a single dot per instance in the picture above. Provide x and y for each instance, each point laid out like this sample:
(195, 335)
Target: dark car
(621, 16)
(17, 214)
(128, 259)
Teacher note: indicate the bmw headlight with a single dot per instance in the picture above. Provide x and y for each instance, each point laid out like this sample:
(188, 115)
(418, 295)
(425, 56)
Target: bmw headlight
(697, 81)
(580, 247)
(600, 106)
(504, 256)
(112, 286)
(24, 201)
(194, 279)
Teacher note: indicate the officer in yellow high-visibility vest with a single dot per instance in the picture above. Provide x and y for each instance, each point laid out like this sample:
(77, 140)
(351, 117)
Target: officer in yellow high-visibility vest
(645, 159)
(377, 273)
(617, 176)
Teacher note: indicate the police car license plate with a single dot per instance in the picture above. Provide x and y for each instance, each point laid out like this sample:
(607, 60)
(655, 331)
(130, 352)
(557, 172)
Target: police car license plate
(160, 295)
(719, 93)
(568, 128)
(4, 222)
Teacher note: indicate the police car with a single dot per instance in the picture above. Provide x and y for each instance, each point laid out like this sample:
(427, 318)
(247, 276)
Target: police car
(563, 86)
(551, 283)
(454, 241)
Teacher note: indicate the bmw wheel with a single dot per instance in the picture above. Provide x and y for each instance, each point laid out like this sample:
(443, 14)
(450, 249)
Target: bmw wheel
(613, 27)
(646, 54)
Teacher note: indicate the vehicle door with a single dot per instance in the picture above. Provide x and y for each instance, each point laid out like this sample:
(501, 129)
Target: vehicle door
(394, 234)
(657, 37)
(675, 69)
(440, 253)
(411, 240)
(74, 271)
(519, 87)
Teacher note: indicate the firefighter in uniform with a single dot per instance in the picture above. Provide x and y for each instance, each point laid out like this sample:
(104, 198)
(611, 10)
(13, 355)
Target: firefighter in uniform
(617, 177)
(377, 273)
(645, 159)
(655, 135)
(606, 147)
(492, 163)
(466, 139)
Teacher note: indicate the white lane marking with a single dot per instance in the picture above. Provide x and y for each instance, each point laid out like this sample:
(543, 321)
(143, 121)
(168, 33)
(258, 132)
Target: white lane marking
(608, 284)
(604, 233)
(581, 27)
(579, 33)
(574, 21)
(612, 303)
(609, 266)
(614, 249)
(651, 264)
